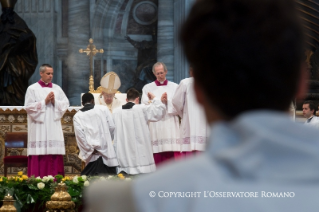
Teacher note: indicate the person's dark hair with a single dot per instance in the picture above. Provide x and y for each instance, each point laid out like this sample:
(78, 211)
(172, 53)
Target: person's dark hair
(132, 94)
(86, 98)
(246, 55)
(312, 106)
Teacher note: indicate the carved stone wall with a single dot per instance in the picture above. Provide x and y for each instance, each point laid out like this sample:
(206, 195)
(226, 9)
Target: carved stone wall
(64, 26)
(41, 17)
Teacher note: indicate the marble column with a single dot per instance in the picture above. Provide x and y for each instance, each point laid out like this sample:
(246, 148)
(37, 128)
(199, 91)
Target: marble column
(181, 66)
(78, 64)
(165, 36)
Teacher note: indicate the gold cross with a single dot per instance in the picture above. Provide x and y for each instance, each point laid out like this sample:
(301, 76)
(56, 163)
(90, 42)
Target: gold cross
(91, 51)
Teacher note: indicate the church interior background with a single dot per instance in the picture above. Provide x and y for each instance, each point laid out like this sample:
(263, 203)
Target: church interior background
(132, 33)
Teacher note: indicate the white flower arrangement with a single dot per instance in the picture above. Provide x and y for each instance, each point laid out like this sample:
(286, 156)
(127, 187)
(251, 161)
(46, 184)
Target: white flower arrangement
(51, 177)
(102, 178)
(84, 177)
(45, 179)
(38, 178)
(110, 177)
(86, 183)
(41, 185)
(75, 179)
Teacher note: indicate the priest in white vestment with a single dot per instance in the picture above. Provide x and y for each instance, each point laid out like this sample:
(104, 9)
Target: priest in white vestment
(194, 128)
(132, 136)
(165, 135)
(110, 83)
(94, 131)
(45, 104)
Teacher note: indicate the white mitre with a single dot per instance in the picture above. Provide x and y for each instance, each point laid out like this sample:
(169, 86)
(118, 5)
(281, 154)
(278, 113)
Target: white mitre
(110, 83)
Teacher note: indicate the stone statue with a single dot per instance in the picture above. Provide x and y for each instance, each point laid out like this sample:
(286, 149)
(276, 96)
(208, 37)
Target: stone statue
(147, 56)
(18, 56)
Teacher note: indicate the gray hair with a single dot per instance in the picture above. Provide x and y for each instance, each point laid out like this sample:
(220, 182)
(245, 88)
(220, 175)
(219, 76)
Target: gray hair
(43, 66)
(158, 64)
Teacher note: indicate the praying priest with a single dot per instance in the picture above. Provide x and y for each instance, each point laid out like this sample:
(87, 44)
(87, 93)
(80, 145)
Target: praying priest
(194, 127)
(94, 130)
(110, 83)
(132, 136)
(45, 104)
(164, 133)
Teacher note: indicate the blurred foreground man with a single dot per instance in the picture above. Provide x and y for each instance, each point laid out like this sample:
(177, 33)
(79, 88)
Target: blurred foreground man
(248, 66)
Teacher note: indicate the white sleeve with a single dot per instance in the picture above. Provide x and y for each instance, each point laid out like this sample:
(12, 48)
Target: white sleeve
(145, 99)
(178, 100)
(61, 104)
(110, 121)
(170, 108)
(36, 110)
(154, 111)
(86, 150)
(115, 138)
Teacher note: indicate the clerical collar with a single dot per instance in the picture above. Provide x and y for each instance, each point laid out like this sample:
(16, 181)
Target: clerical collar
(309, 120)
(44, 85)
(87, 106)
(158, 83)
(128, 105)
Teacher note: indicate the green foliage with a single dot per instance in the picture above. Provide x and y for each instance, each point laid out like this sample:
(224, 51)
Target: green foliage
(32, 193)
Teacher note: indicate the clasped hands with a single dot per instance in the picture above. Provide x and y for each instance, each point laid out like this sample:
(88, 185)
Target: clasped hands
(50, 98)
(151, 96)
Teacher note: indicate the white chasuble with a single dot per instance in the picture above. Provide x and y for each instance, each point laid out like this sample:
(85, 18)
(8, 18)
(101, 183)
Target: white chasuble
(117, 102)
(165, 133)
(45, 135)
(194, 128)
(94, 129)
(132, 136)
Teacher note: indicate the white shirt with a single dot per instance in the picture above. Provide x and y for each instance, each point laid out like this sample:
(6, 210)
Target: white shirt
(313, 121)
(94, 129)
(165, 134)
(45, 135)
(132, 136)
(194, 129)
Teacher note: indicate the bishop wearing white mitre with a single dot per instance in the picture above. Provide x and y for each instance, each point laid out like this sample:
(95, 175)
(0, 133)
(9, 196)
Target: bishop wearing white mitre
(194, 128)
(110, 83)
(165, 133)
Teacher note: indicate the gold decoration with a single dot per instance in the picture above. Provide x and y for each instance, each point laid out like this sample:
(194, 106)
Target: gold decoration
(71, 161)
(60, 200)
(67, 129)
(17, 128)
(8, 204)
(4, 129)
(91, 51)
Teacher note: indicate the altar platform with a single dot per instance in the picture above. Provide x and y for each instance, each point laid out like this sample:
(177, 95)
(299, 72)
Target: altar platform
(14, 119)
